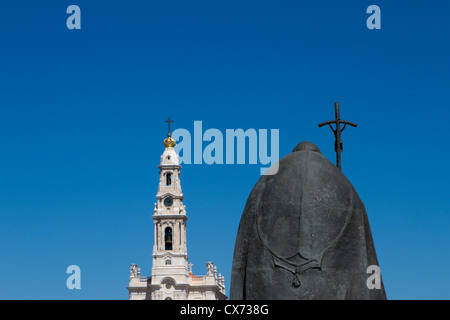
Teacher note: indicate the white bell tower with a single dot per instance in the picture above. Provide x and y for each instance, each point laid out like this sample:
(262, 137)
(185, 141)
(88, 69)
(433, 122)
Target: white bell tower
(170, 257)
(172, 277)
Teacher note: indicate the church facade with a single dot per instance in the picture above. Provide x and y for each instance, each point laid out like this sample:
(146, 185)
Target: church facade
(172, 277)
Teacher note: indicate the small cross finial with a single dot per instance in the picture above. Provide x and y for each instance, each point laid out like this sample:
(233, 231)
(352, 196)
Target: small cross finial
(190, 266)
(168, 121)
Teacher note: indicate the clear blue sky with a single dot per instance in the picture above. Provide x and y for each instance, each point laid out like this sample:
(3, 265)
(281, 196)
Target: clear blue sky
(81, 129)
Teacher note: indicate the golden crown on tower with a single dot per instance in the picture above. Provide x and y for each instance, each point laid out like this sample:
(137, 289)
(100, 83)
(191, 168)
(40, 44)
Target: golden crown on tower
(169, 142)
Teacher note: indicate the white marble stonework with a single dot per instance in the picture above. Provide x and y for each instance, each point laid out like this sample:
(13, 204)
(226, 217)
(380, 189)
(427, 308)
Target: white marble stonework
(172, 277)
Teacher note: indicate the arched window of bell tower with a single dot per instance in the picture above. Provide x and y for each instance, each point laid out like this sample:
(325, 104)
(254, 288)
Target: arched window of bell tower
(168, 238)
(168, 179)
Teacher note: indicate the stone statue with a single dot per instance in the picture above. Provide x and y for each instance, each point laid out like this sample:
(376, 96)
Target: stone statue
(209, 268)
(133, 270)
(304, 234)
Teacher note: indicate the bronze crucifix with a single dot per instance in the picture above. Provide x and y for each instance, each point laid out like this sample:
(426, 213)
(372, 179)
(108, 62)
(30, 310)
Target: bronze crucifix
(337, 132)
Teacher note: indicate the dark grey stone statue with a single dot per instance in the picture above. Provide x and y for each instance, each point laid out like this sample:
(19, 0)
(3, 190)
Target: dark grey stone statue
(304, 234)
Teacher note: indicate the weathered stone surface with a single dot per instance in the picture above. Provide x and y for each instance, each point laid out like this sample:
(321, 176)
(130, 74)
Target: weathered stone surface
(304, 234)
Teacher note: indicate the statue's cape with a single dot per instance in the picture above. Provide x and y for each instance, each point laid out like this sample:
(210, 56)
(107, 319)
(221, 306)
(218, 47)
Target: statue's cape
(304, 234)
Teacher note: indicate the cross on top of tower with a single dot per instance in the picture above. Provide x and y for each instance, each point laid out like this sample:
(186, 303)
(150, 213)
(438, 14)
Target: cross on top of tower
(168, 121)
(169, 142)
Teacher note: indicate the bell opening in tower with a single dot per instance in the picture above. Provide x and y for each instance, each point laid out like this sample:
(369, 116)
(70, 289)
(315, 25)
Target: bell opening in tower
(168, 238)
